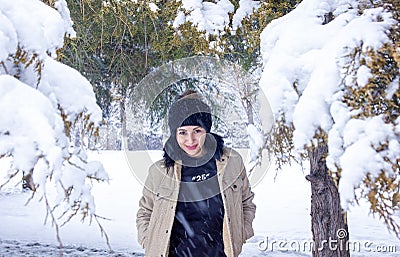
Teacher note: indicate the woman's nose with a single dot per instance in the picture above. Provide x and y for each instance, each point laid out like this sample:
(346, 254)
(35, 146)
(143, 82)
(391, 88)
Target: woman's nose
(190, 138)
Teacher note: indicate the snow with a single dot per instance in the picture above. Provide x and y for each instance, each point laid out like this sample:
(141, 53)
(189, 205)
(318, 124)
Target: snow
(62, 8)
(297, 49)
(393, 87)
(39, 28)
(28, 127)
(246, 8)
(363, 75)
(38, 97)
(304, 77)
(60, 83)
(153, 7)
(8, 37)
(213, 17)
(283, 215)
(210, 17)
(360, 157)
(256, 141)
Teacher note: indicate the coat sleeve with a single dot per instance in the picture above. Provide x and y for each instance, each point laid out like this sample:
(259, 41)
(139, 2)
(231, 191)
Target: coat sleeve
(145, 210)
(249, 208)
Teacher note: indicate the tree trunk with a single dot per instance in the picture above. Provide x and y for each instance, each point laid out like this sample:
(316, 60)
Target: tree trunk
(249, 111)
(27, 181)
(328, 221)
(124, 140)
(108, 135)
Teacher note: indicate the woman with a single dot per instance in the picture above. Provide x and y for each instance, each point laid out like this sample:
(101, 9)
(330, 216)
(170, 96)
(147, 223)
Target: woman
(197, 200)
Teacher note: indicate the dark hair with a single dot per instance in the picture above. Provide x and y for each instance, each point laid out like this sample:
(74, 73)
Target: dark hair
(188, 110)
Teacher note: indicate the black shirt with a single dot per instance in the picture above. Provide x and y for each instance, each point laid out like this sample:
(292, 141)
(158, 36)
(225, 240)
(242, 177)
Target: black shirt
(197, 228)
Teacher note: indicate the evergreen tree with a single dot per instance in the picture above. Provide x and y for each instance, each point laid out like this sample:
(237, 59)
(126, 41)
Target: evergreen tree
(236, 40)
(43, 103)
(112, 48)
(342, 115)
(119, 42)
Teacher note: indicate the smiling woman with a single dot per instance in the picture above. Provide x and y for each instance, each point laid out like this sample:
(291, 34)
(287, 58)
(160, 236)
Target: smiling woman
(197, 200)
(191, 139)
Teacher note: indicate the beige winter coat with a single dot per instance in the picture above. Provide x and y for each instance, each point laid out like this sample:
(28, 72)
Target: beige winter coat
(156, 212)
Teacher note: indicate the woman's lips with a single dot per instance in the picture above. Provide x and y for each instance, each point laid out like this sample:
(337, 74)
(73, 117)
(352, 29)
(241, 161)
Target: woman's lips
(191, 147)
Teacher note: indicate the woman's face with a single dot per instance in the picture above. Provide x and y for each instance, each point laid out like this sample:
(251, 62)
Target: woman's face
(191, 139)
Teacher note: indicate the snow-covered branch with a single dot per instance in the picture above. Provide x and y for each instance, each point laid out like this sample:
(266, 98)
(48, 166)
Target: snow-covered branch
(327, 79)
(41, 99)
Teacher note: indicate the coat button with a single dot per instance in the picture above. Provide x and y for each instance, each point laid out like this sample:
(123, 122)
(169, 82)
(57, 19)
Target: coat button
(166, 231)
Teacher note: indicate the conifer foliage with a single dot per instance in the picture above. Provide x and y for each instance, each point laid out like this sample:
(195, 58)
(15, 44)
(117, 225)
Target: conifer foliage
(48, 110)
(337, 95)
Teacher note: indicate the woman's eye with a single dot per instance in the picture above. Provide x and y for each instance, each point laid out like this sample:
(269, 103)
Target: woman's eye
(181, 133)
(197, 131)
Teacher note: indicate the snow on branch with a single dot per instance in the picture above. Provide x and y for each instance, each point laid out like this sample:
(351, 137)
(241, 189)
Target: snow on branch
(246, 8)
(318, 76)
(206, 16)
(70, 90)
(30, 128)
(213, 17)
(39, 29)
(41, 100)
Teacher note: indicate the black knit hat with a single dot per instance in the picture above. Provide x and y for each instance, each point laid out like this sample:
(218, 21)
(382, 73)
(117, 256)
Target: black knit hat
(189, 111)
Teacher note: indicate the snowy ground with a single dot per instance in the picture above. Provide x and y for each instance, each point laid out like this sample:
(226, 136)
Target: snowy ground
(282, 218)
